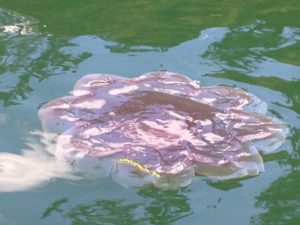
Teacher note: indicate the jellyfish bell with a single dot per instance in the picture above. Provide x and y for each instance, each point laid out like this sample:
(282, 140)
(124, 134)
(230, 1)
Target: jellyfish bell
(161, 128)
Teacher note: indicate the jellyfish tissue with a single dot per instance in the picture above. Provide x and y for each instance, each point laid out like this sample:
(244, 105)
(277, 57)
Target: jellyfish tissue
(161, 128)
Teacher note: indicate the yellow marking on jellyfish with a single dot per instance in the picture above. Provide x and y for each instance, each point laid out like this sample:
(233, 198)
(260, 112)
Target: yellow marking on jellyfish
(138, 166)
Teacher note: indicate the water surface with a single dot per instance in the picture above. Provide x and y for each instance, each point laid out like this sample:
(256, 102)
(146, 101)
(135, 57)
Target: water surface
(45, 46)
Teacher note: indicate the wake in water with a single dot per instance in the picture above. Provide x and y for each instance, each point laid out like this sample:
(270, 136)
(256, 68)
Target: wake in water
(35, 166)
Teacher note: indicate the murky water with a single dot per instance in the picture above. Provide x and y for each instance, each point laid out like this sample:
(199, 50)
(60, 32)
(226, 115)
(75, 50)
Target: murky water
(45, 47)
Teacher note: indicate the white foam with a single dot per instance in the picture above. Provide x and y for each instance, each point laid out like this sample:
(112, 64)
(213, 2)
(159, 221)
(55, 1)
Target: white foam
(32, 168)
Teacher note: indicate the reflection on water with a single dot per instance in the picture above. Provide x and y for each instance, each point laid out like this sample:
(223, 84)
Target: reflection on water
(170, 23)
(165, 207)
(34, 167)
(156, 207)
(245, 50)
(281, 201)
(28, 58)
(13, 23)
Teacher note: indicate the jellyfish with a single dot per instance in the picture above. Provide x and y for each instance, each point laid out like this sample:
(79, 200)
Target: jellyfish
(161, 128)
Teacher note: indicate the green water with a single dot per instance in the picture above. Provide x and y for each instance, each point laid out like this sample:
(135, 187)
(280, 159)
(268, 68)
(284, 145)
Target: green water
(46, 45)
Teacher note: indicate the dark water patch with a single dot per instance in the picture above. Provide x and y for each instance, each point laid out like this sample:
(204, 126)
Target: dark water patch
(281, 202)
(128, 22)
(155, 207)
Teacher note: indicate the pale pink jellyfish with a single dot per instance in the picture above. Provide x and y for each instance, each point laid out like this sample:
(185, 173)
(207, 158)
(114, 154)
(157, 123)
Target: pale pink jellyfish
(161, 128)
